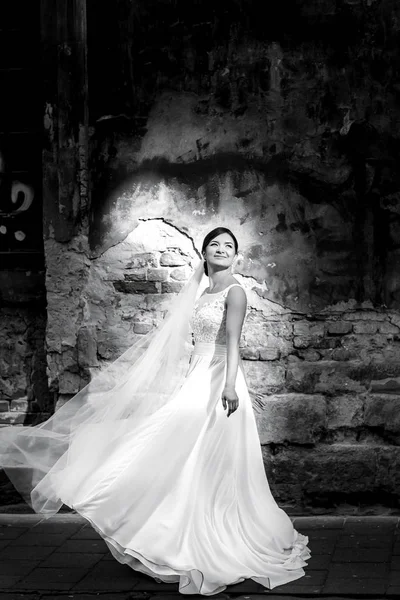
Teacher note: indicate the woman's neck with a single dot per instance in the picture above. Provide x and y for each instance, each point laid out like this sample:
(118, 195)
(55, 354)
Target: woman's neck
(219, 279)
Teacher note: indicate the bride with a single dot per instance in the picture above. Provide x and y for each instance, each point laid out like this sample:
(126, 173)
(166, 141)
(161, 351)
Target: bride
(163, 459)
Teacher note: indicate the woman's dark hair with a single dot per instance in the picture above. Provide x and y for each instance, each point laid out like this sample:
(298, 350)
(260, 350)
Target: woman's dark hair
(213, 234)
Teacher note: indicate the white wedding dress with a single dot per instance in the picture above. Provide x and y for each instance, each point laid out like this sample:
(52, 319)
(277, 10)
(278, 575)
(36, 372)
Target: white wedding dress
(184, 498)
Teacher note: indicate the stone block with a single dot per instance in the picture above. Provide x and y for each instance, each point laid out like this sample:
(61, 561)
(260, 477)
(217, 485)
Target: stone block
(157, 274)
(257, 330)
(308, 329)
(364, 346)
(327, 343)
(172, 259)
(136, 287)
(364, 315)
(383, 411)
(309, 355)
(264, 377)
(4, 406)
(13, 418)
(269, 354)
(249, 354)
(87, 347)
(327, 469)
(388, 328)
(268, 337)
(69, 383)
(301, 342)
(20, 405)
(142, 328)
(296, 418)
(171, 287)
(135, 275)
(342, 354)
(389, 385)
(326, 376)
(366, 327)
(180, 274)
(388, 468)
(13, 385)
(144, 259)
(339, 328)
(344, 411)
(114, 339)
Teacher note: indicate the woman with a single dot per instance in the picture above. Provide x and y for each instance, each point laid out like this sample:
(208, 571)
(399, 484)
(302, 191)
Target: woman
(176, 490)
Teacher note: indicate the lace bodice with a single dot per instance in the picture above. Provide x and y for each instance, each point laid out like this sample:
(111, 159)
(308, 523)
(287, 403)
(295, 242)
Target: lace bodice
(209, 317)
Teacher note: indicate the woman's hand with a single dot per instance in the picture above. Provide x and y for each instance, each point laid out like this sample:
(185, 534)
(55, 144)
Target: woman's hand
(230, 399)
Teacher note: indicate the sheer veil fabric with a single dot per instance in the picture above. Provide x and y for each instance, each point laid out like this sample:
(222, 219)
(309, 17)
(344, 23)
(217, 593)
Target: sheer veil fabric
(143, 379)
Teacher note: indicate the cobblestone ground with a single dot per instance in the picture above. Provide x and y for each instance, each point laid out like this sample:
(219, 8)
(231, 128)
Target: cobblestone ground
(64, 558)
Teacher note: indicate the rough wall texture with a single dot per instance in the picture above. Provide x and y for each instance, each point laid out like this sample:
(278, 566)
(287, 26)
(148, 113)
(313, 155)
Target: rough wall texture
(23, 390)
(287, 131)
(24, 394)
(23, 380)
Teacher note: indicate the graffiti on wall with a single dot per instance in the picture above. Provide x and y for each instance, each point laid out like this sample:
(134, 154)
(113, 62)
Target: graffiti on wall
(20, 217)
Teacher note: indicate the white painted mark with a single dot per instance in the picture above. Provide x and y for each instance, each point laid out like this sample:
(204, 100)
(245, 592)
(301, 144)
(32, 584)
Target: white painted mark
(20, 236)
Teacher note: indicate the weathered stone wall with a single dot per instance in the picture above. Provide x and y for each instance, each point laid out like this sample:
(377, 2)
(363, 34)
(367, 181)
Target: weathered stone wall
(24, 397)
(287, 131)
(325, 385)
(23, 389)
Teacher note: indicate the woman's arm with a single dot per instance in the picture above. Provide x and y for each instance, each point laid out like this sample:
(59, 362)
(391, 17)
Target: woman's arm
(236, 303)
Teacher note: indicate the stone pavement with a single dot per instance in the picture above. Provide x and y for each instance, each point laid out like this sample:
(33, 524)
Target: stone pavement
(63, 558)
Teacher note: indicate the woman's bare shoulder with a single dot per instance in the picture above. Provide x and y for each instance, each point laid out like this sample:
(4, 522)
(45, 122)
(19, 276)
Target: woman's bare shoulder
(236, 294)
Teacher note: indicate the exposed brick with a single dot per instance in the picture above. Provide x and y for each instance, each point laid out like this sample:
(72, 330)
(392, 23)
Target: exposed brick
(135, 275)
(146, 259)
(339, 328)
(157, 275)
(365, 327)
(308, 329)
(172, 259)
(171, 287)
(364, 315)
(13, 418)
(136, 287)
(20, 405)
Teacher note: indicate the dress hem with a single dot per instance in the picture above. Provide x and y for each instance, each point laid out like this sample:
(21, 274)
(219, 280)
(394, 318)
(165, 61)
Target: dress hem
(293, 565)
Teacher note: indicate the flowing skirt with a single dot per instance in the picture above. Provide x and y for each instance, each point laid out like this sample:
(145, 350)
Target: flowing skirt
(183, 496)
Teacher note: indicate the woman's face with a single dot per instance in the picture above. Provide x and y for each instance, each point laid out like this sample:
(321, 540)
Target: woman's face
(220, 252)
